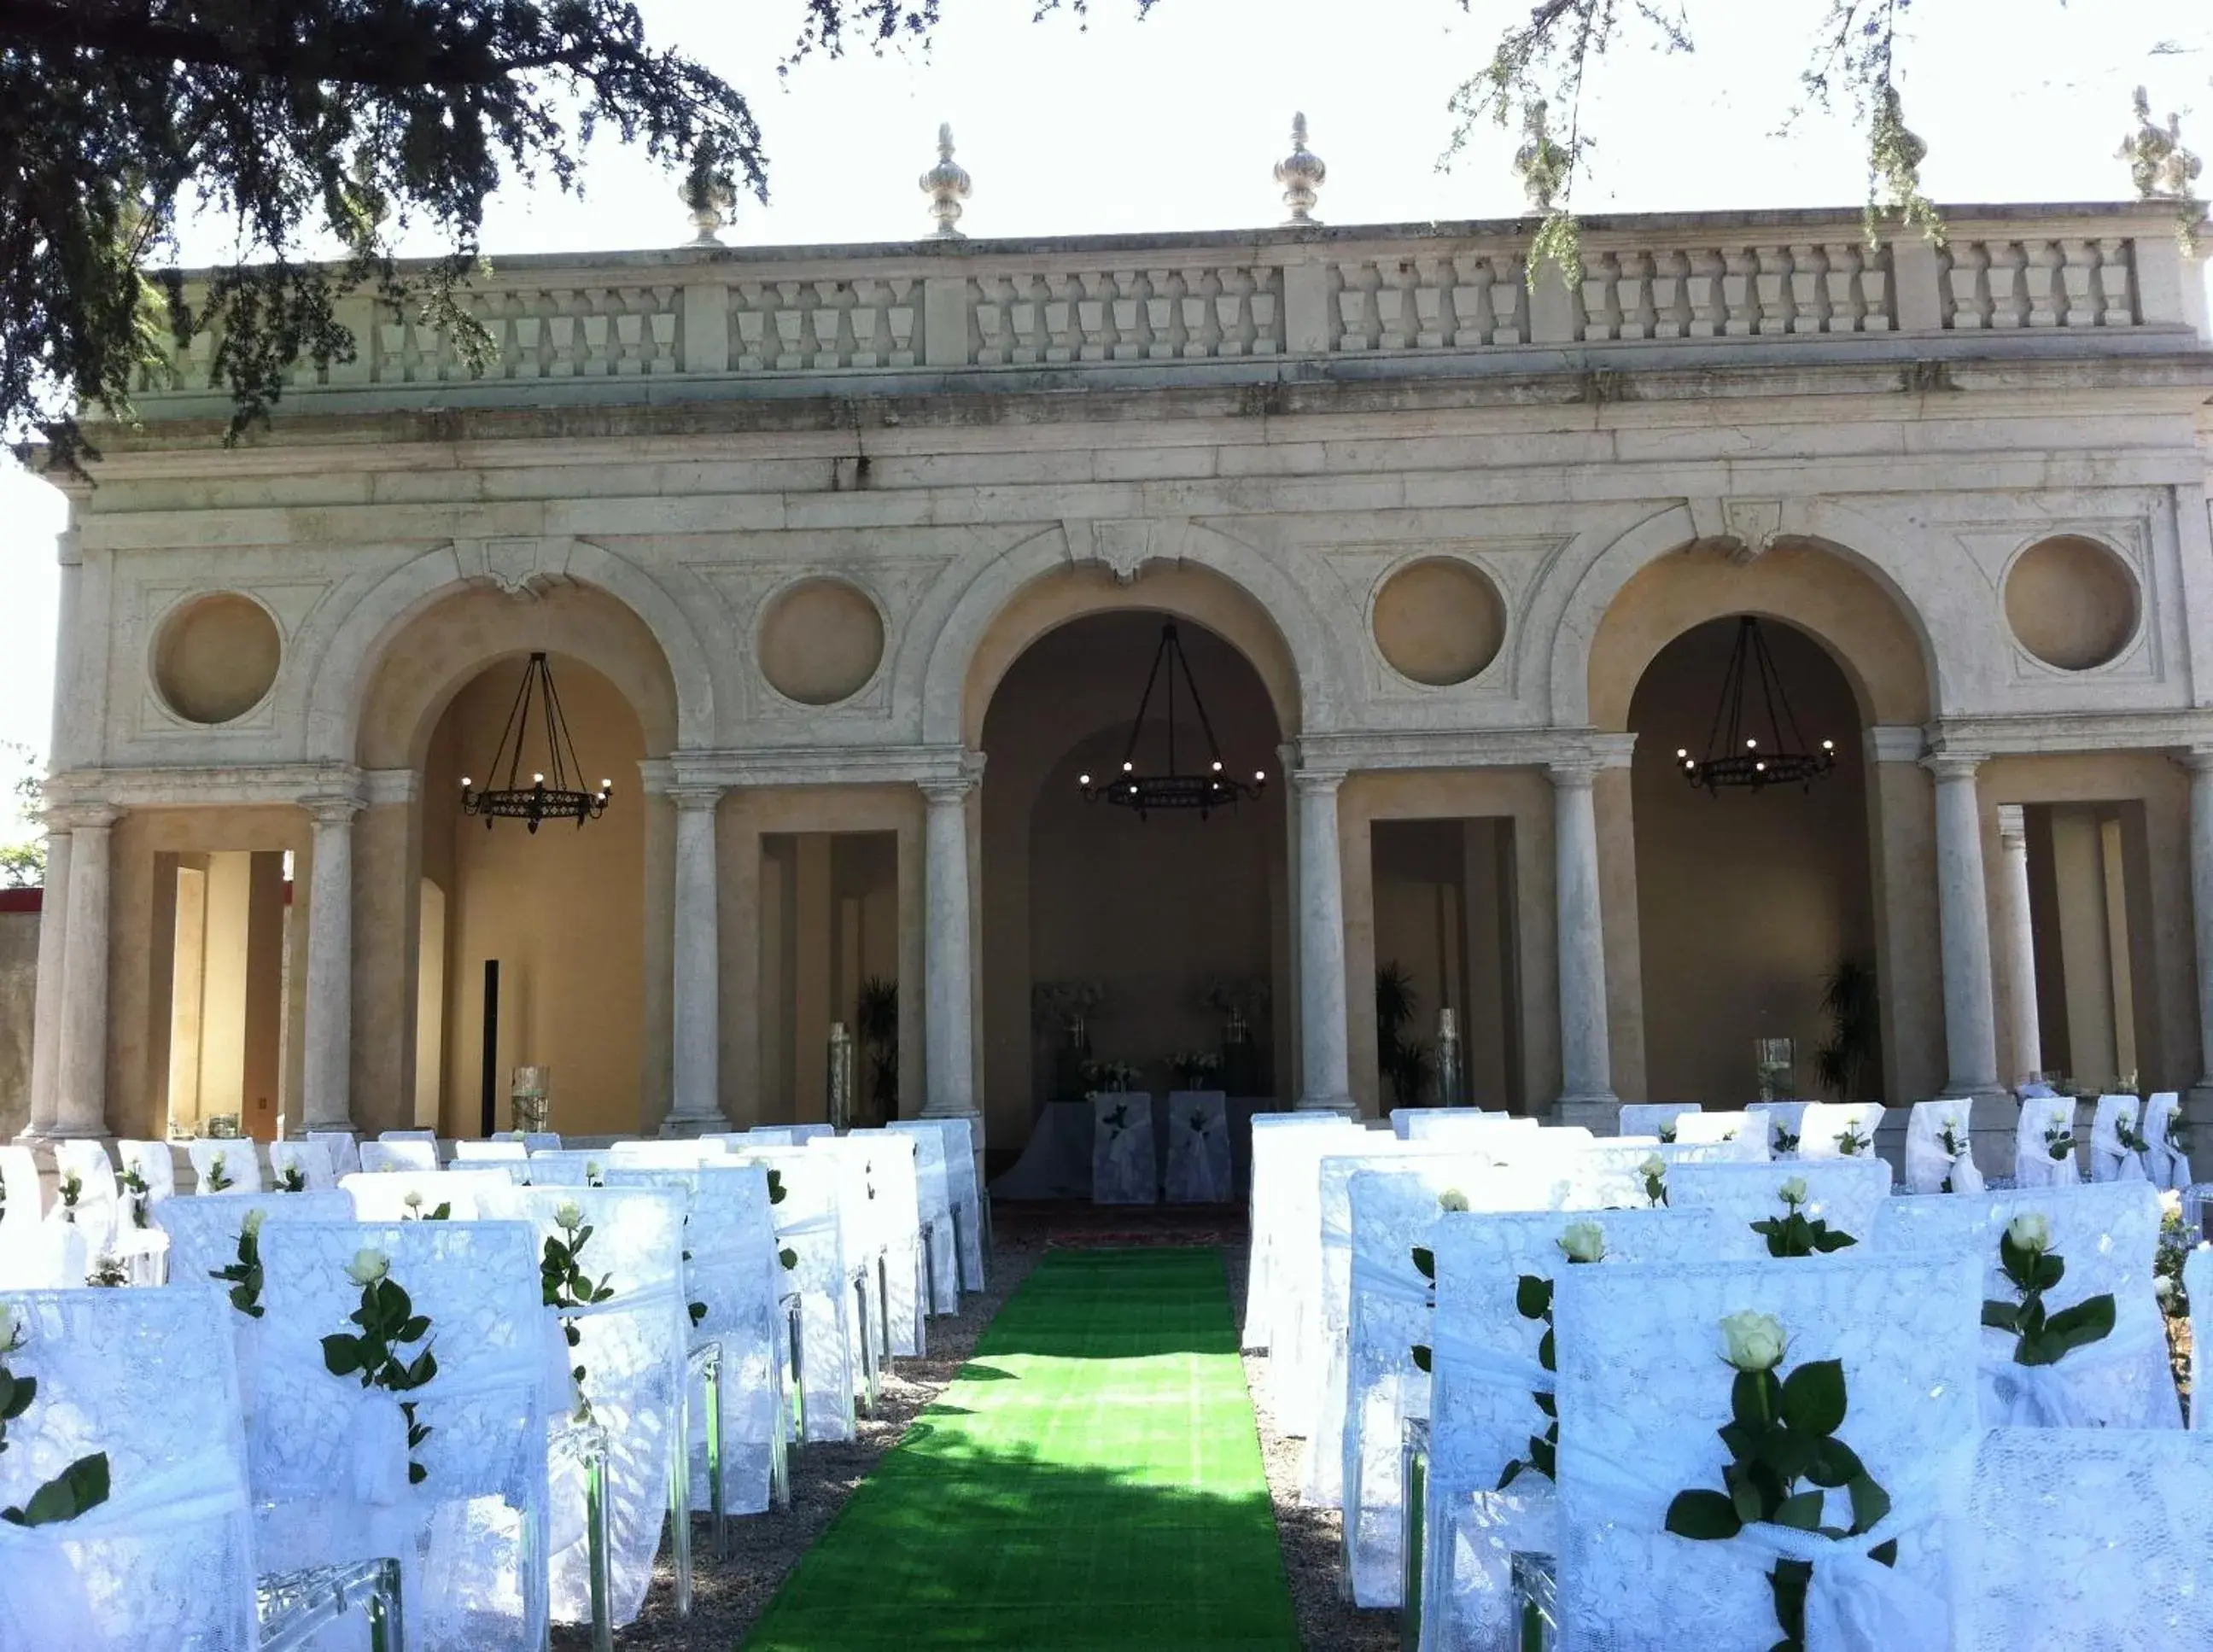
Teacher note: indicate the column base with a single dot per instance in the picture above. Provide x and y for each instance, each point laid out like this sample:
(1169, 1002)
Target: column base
(1344, 1106)
(689, 1126)
(1599, 1114)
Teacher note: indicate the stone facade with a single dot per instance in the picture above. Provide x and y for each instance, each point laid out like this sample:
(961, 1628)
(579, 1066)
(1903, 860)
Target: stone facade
(795, 513)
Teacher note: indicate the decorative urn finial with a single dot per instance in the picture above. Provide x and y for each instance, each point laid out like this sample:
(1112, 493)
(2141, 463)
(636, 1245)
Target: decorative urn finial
(710, 194)
(1302, 174)
(947, 185)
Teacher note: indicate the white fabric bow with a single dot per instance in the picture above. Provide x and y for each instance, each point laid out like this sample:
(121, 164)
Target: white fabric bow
(2051, 1396)
(1374, 1278)
(1482, 1363)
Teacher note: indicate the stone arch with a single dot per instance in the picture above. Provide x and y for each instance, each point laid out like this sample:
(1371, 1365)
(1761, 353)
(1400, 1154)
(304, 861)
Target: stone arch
(360, 651)
(1659, 580)
(1036, 587)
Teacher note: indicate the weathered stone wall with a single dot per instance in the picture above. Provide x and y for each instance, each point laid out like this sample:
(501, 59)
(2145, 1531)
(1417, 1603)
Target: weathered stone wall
(19, 984)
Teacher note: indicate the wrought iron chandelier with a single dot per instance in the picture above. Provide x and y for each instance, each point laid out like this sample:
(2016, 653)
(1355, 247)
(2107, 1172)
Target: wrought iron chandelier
(1213, 788)
(550, 795)
(1737, 754)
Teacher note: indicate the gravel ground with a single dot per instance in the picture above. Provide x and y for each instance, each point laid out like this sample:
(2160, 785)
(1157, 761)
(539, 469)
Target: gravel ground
(728, 1595)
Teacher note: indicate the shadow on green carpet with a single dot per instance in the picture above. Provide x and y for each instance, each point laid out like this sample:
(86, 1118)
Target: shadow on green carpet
(1091, 1479)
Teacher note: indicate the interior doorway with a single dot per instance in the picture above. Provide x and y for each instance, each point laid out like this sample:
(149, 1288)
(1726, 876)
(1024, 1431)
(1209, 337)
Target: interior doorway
(229, 987)
(829, 958)
(2091, 926)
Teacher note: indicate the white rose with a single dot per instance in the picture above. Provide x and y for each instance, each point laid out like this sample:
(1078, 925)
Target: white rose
(592, 1168)
(568, 1216)
(1452, 1200)
(368, 1267)
(1753, 1342)
(413, 1201)
(7, 1327)
(2030, 1231)
(251, 1227)
(1654, 1165)
(2162, 1288)
(1583, 1241)
(1794, 1191)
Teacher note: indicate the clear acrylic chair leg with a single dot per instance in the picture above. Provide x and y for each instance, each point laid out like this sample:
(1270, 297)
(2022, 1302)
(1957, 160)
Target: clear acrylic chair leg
(707, 1385)
(600, 1549)
(868, 1347)
(799, 1369)
(884, 1308)
(679, 1514)
(1413, 1509)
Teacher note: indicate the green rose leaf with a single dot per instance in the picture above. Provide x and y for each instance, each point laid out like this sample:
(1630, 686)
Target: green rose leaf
(1870, 1503)
(1814, 1396)
(82, 1486)
(1533, 1296)
(341, 1354)
(1421, 1357)
(1801, 1513)
(1832, 1240)
(2002, 1316)
(1835, 1464)
(1426, 1262)
(1703, 1516)
(2089, 1321)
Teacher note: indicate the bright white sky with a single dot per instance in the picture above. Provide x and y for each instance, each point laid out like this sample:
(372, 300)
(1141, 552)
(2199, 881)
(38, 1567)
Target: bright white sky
(1175, 122)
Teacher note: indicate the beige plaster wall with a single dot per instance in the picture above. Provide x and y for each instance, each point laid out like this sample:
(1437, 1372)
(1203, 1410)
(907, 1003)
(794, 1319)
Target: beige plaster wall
(18, 986)
(1745, 900)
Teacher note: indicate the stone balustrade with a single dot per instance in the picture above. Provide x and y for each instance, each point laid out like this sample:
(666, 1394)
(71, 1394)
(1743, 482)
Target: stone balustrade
(1458, 290)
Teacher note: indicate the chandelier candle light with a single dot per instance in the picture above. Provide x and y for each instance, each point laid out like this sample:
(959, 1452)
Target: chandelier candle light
(539, 800)
(1735, 754)
(1214, 788)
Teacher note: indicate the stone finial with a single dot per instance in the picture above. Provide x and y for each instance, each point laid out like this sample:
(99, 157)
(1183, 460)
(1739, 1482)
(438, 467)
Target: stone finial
(710, 194)
(1302, 174)
(946, 184)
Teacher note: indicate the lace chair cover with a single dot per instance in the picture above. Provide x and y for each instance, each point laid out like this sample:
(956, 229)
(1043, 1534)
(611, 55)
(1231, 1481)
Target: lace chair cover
(1395, 1207)
(962, 1188)
(935, 1195)
(345, 1151)
(1609, 1175)
(2108, 1234)
(633, 1351)
(239, 1158)
(166, 1562)
(99, 1210)
(2198, 1286)
(382, 1195)
(2033, 1163)
(1643, 1392)
(758, 1136)
(1655, 1118)
(2089, 1540)
(25, 1197)
(311, 1158)
(1464, 1129)
(1698, 1128)
(428, 1135)
(568, 1166)
(1789, 1116)
(1849, 1194)
(1929, 1166)
(1823, 1126)
(498, 1151)
(381, 1157)
(866, 1240)
(667, 1155)
(809, 1225)
(1271, 1186)
(2167, 1164)
(1484, 1364)
(49, 1255)
(328, 1457)
(730, 1238)
(1403, 1119)
(156, 1166)
(2109, 1160)
(1124, 1170)
(892, 1223)
(1199, 1147)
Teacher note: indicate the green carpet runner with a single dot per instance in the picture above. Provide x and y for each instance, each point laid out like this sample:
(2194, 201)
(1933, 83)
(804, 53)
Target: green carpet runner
(1091, 1479)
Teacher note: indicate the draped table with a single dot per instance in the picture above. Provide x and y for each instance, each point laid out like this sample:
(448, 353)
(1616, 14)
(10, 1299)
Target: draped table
(1056, 1163)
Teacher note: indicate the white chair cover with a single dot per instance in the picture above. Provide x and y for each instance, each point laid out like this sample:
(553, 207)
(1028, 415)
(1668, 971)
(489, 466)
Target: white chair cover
(382, 1195)
(758, 1136)
(2034, 1163)
(2198, 1286)
(1609, 1174)
(429, 1135)
(2107, 1235)
(98, 1210)
(328, 1457)
(811, 1225)
(1929, 1168)
(1463, 1129)
(890, 1226)
(675, 1154)
(934, 1172)
(498, 1151)
(166, 1562)
(1848, 1194)
(2167, 1164)
(381, 1156)
(730, 1237)
(1702, 1129)
(2109, 1160)
(1658, 1118)
(962, 1188)
(156, 1166)
(1394, 1208)
(633, 1350)
(345, 1151)
(1824, 1127)
(1269, 1196)
(239, 1158)
(2089, 1539)
(1199, 1147)
(22, 1199)
(1124, 1170)
(1642, 1393)
(568, 1166)
(1485, 1367)
(311, 1158)
(867, 1242)
(1786, 1116)
(1403, 1119)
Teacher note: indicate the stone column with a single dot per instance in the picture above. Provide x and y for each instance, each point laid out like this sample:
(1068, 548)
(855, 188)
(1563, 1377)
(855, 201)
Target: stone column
(2024, 1043)
(80, 1065)
(948, 1041)
(1586, 1058)
(1964, 924)
(327, 1069)
(47, 1016)
(2200, 766)
(1325, 1056)
(695, 1071)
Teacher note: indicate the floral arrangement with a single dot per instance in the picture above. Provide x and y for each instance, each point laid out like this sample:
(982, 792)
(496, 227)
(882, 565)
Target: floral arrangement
(2174, 1248)
(218, 1177)
(1583, 1243)
(1243, 996)
(244, 1276)
(1793, 1233)
(1194, 1067)
(82, 1485)
(1949, 1134)
(388, 1322)
(134, 1194)
(1109, 1078)
(1065, 1003)
(2025, 1254)
(71, 1188)
(2059, 1142)
(1199, 1120)
(1655, 1172)
(1782, 1431)
(563, 1283)
(2125, 1128)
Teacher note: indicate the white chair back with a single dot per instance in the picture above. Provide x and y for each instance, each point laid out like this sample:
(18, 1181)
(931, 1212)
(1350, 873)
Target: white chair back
(1405, 1121)
(155, 1165)
(1838, 1130)
(2043, 1141)
(963, 1191)
(1659, 1118)
(1283, 1158)
(1124, 1170)
(2112, 1159)
(684, 1155)
(1849, 1194)
(22, 1197)
(408, 1153)
(385, 1195)
(310, 1159)
(235, 1162)
(1931, 1166)
(1199, 1147)
(2167, 1162)
(1783, 1120)
(345, 1151)
(1702, 1129)
(810, 1226)
(99, 1208)
(568, 1166)
(500, 1149)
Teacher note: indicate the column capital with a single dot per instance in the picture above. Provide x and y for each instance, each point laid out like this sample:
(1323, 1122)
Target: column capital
(80, 817)
(2198, 759)
(1311, 781)
(1574, 773)
(2013, 825)
(1954, 765)
(696, 797)
(331, 809)
(947, 792)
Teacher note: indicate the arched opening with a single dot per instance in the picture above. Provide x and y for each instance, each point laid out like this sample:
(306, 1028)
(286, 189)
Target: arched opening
(1170, 918)
(1751, 904)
